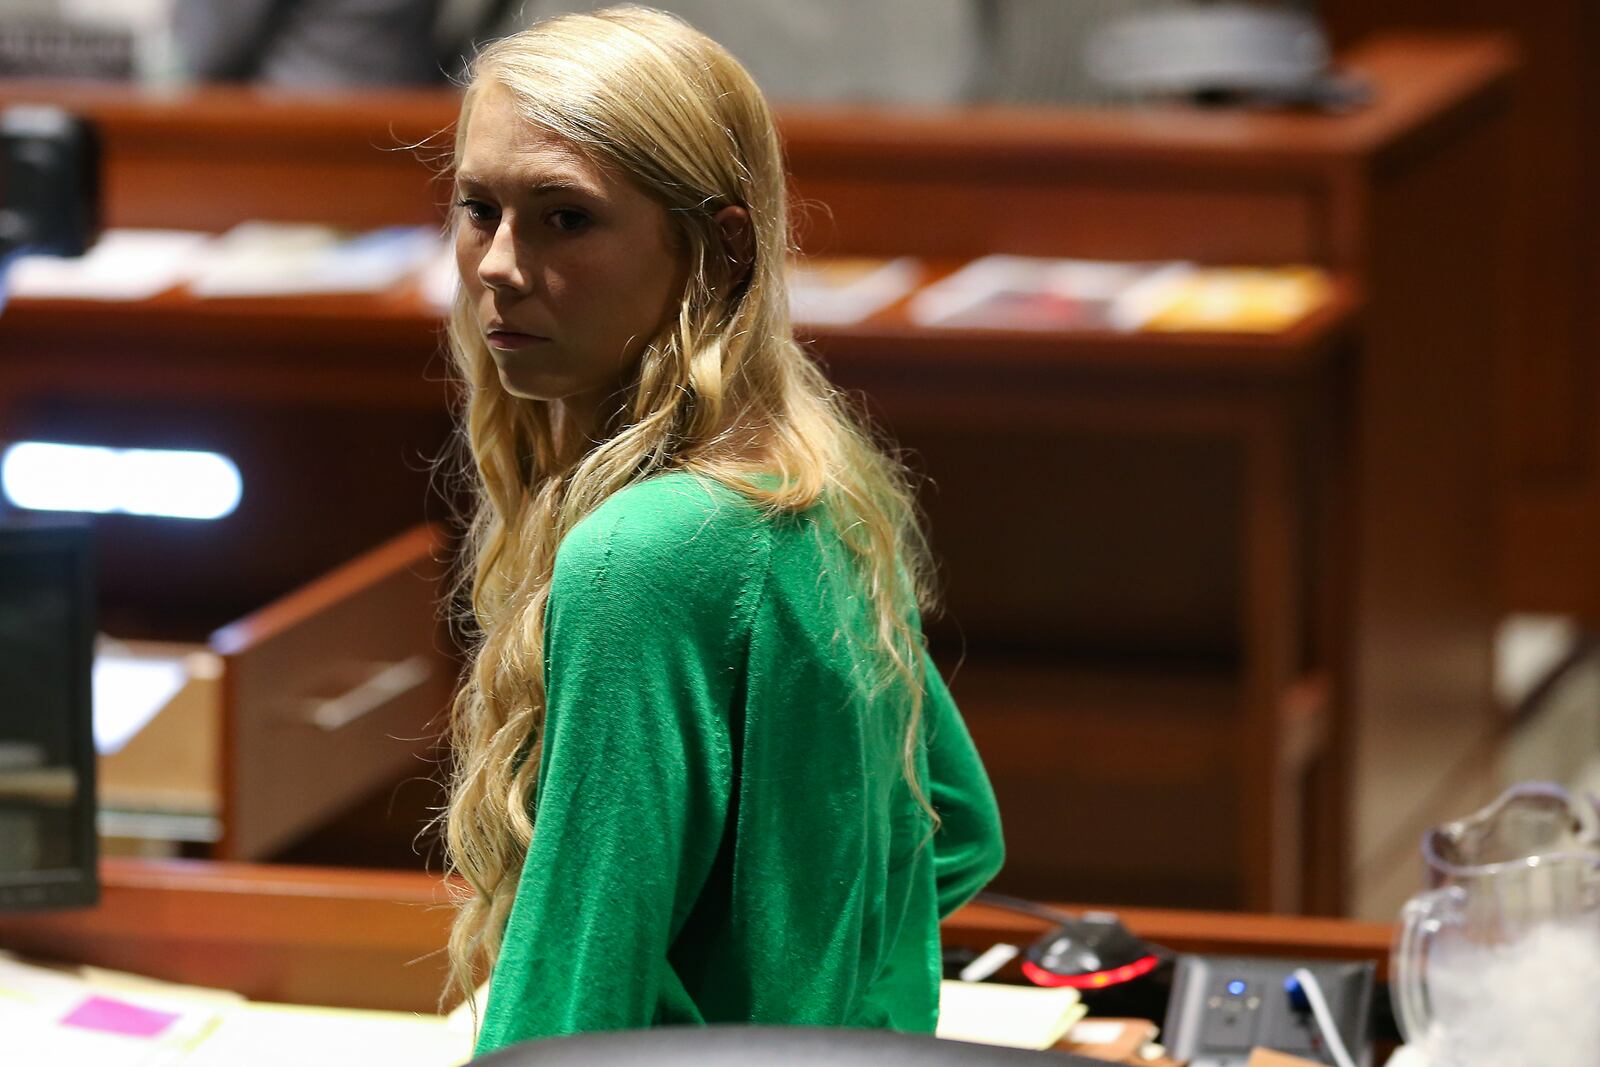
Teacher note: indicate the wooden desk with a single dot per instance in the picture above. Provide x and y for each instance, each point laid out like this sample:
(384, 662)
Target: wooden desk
(1168, 553)
(376, 939)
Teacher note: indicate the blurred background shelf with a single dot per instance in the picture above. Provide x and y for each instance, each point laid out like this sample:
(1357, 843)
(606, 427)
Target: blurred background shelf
(1098, 758)
(1113, 513)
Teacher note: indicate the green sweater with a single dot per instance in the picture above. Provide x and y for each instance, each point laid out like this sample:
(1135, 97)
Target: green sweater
(723, 831)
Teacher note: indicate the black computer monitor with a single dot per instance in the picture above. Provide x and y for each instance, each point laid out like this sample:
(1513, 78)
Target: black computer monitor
(47, 769)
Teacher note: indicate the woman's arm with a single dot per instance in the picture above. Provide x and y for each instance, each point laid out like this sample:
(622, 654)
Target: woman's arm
(969, 847)
(634, 785)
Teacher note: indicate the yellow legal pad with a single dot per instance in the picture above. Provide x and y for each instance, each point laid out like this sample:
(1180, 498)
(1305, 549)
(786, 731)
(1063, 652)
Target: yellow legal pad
(1015, 1016)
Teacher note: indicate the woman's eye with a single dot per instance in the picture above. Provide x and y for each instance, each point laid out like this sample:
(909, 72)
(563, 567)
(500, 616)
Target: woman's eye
(568, 220)
(476, 210)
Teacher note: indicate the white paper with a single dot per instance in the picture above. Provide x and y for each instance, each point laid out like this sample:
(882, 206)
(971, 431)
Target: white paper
(440, 279)
(272, 1035)
(1096, 1032)
(962, 298)
(1015, 1016)
(129, 691)
(34, 1001)
(817, 297)
(993, 958)
(122, 265)
(279, 259)
(211, 1028)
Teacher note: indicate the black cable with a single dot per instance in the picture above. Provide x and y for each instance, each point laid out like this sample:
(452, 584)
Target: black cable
(1026, 907)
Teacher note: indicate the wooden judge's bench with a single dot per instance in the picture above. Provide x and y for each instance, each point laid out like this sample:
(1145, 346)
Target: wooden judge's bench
(1219, 606)
(374, 939)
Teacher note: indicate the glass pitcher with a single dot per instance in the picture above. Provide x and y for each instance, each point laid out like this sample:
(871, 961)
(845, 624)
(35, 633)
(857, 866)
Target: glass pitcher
(1497, 963)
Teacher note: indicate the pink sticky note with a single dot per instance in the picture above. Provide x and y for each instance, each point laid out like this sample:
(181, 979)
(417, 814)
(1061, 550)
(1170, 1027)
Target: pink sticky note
(119, 1017)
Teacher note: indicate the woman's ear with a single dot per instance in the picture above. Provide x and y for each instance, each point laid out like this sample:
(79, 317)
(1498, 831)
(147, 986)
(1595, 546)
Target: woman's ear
(738, 241)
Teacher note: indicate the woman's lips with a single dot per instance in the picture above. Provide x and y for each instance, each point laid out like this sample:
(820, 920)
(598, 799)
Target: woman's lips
(505, 340)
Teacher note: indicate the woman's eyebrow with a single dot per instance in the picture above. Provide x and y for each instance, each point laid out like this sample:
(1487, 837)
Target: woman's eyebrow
(556, 183)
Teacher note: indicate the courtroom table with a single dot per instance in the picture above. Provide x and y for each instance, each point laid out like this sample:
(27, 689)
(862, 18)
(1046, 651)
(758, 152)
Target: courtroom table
(365, 939)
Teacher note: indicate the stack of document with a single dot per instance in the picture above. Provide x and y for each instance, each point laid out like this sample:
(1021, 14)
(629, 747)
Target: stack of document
(845, 291)
(83, 1016)
(122, 265)
(278, 259)
(272, 1035)
(1016, 1016)
(252, 259)
(1029, 293)
(61, 1018)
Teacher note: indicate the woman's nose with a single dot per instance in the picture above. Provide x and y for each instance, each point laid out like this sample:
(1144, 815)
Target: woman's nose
(502, 265)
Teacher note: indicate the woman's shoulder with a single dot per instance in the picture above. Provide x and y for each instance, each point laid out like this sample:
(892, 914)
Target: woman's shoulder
(674, 511)
(667, 530)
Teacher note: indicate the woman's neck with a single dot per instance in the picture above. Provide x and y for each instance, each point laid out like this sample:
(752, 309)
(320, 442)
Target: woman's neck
(580, 424)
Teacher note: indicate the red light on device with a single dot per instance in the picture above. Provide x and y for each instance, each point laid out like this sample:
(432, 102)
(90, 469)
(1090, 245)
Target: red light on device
(1094, 979)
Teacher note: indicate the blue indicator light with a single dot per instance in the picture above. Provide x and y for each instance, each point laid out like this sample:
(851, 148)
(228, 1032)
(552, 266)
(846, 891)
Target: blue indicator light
(1236, 988)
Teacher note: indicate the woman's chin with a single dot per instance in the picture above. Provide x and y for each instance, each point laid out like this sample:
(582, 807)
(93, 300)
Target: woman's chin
(519, 383)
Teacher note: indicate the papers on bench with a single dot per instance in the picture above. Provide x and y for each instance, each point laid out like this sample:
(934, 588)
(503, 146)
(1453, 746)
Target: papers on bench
(1029, 293)
(84, 1016)
(67, 1016)
(845, 291)
(998, 292)
(276, 259)
(1026, 293)
(252, 259)
(122, 265)
(61, 1018)
(1015, 1016)
(271, 1035)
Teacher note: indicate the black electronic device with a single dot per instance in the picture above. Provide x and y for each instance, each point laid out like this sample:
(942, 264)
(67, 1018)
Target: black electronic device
(1222, 1007)
(47, 756)
(768, 1046)
(1091, 952)
(49, 182)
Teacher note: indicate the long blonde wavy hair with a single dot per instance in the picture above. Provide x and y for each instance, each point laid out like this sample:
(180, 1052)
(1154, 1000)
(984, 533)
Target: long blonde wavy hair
(723, 391)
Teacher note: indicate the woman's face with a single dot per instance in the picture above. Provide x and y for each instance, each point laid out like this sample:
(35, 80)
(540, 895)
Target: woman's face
(570, 268)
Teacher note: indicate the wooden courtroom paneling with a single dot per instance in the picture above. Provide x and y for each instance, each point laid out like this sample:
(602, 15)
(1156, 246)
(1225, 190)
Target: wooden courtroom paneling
(205, 160)
(339, 688)
(1548, 374)
(1112, 216)
(357, 939)
(1420, 685)
(1088, 633)
(370, 939)
(218, 155)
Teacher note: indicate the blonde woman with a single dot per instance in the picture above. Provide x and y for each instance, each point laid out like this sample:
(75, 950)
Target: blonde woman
(704, 769)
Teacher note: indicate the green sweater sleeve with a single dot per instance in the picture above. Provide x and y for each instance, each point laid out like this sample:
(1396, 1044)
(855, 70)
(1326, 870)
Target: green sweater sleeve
(634, 779)
(722, 829)
(968, 849)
